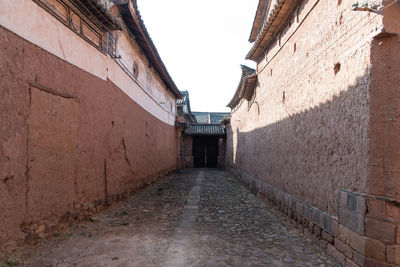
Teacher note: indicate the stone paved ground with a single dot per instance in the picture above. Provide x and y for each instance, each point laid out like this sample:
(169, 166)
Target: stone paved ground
(192, 218)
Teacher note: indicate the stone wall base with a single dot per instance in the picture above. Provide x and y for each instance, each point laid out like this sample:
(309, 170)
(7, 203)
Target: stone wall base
(366, 232)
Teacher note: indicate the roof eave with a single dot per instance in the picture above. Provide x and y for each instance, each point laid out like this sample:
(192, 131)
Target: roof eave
(246, 71)
(258, 17)
(98, 12)
(278, 17)
(131, 16)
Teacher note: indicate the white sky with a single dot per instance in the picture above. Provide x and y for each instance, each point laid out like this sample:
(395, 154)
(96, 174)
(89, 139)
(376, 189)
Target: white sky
(202, 44)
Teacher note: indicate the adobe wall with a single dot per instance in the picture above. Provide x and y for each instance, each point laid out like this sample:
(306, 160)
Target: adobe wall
(307, 132)
(320, 139)
(70, 142)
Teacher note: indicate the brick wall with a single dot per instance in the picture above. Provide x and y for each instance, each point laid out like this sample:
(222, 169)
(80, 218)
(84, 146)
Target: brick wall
(320, 140)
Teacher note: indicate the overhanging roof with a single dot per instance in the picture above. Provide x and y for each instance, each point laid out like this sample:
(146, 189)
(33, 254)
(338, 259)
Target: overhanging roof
(258, 19)
(277, 17)
(97, 12)
(246, 86)
(205, 129)
(133, 21)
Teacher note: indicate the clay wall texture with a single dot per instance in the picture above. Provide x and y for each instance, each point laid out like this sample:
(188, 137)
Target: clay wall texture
(320, 140)
(70, 142)
(307, 132)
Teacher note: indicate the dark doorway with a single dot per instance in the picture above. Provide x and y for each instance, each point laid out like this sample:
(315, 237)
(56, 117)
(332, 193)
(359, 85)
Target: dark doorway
(205, 151)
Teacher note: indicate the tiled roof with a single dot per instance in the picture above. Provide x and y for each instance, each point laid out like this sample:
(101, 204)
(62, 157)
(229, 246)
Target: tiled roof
(210, 117)
(184, 99)
(98, 12)
(205, 129)
(276, 18)
(246, 86)
(258, 19)
(135, 25)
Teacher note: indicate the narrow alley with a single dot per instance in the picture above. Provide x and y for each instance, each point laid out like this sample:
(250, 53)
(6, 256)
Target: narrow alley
(191, 218)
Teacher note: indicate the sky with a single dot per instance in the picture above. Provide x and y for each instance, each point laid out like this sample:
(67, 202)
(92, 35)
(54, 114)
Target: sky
(202, 44)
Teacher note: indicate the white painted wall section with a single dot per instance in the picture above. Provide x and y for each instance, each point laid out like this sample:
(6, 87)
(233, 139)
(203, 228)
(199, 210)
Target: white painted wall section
(28, 20)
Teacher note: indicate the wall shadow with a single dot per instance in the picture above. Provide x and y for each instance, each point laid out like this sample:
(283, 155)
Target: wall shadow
(310, 155)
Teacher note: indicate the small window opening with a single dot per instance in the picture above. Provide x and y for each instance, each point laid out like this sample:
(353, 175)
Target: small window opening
(336, 68)
(135, 69)
(283, 97)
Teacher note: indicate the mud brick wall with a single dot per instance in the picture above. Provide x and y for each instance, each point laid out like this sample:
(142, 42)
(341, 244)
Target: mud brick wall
(307, 132)
(69, 142)
(321, 138)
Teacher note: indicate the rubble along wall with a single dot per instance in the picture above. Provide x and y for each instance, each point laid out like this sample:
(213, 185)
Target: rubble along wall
(69, 142)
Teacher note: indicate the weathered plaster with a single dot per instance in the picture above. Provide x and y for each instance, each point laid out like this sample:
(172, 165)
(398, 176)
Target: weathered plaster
(43, 30)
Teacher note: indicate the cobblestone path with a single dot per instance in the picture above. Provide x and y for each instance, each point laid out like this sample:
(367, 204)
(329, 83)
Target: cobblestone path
(192, 218)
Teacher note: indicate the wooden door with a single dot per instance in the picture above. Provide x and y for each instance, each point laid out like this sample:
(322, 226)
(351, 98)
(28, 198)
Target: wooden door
(205, 151)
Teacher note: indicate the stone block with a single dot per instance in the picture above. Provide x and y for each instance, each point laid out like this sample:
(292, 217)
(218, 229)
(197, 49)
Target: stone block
(359, 258)
(335, 226)
(328, 237)
(393, 254)
(326, 222)
(342, 247)
(361, 205)
(374, 249)
(351, 202)
(351, 238)
(293, 203)
(299, 208)
(351, 220)
(392, 210)
(317, 230)
(342, 198)
(380, 230)
(336, 254)
(350, 263)
(376, 208)
(317, 216)
(374, 263)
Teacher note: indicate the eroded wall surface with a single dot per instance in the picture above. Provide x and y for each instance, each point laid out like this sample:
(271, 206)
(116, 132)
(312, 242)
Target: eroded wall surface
(320, 138)
(70, 141)
(307, 131)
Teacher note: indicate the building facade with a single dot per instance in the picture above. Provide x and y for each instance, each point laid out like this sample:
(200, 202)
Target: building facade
(87, 111)
(315, 126)
(201, 137)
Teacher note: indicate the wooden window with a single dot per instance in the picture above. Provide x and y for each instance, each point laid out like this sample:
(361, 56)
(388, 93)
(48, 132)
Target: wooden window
(135, 70)
(90, 34)
(58, 8)
(74, 20)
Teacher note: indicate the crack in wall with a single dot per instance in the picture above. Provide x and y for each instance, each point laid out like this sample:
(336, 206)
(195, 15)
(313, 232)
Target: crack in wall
(126, 155)
(27, 150)
(105, 183)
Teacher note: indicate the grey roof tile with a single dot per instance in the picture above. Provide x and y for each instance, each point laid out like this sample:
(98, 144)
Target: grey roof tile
(205, 129)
